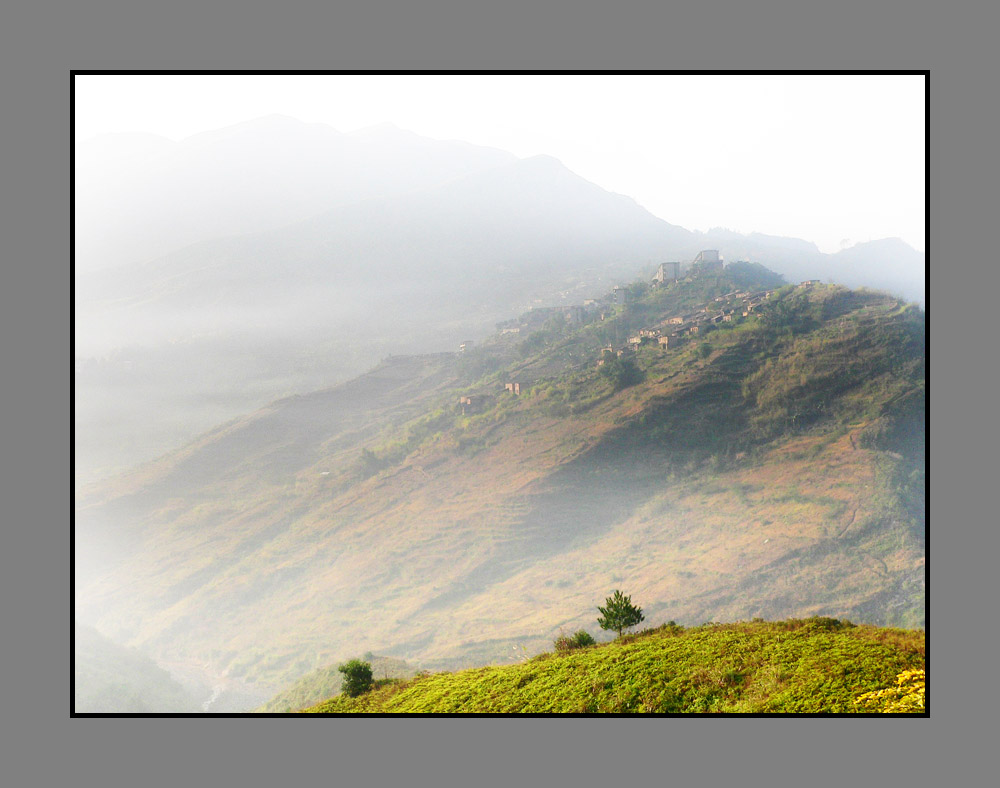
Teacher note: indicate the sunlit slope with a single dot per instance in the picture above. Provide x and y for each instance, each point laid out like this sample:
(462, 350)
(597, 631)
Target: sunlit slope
(813, 666)
(770, 469)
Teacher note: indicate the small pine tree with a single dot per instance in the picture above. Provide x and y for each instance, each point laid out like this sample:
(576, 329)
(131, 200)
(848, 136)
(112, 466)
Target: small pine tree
(619, 613)
(357, 677)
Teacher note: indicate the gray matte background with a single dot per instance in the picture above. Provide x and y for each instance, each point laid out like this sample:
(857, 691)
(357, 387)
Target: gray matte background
(42, 41)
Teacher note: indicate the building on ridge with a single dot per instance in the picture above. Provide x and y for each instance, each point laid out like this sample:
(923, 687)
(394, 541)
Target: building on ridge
(667, 272)
(707, 261)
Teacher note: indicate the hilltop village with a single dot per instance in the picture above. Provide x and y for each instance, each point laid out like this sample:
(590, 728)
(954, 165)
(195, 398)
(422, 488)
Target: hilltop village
(669, 333)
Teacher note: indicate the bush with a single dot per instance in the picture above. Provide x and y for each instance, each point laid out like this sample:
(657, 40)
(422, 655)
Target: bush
(579, 639)
(622, 374)
(369, 463)
(357, 677)
(828, 624)
(582, 638)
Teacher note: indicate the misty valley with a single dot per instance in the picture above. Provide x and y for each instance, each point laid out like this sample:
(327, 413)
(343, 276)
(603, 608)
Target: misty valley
(427, 419)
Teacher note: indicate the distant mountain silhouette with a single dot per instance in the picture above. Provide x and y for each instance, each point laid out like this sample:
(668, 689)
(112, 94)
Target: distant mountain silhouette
(887, 264)
(140, 197)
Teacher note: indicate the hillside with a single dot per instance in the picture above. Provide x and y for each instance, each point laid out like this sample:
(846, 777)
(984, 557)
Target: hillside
(771, 466)
(818, 666)
(109, 678)
(324, 683)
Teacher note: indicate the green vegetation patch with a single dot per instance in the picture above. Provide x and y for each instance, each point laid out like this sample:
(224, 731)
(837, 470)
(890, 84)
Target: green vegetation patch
(818, 665)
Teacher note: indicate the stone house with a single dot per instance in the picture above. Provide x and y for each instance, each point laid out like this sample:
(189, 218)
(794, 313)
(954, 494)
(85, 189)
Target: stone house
(707, 261)
(667, 272)
(470, 404)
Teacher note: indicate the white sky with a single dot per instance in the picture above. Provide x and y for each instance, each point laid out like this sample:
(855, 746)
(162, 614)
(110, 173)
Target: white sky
(832, 159)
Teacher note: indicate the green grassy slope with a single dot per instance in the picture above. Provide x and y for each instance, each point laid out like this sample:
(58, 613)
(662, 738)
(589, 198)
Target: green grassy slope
(805, 666)
(768, 468)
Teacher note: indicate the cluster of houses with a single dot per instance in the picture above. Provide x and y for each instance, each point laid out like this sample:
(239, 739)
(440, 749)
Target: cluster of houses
(706, 262)
(475, 403)
(668, 334)
(675, 330)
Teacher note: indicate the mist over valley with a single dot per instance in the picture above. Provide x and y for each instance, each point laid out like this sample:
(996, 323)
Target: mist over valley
(339, 394)
(392, 244)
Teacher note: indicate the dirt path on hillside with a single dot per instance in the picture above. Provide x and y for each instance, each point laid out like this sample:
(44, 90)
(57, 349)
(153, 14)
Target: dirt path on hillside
(847, 527)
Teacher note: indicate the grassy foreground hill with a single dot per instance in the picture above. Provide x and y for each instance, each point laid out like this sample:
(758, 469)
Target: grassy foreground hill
(770, 466)
(813, 666)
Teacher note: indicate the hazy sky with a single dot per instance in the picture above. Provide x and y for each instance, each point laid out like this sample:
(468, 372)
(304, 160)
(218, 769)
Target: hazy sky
(831, 159)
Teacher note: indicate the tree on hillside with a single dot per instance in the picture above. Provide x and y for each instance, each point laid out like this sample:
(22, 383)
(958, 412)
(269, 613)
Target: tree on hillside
(619, 613)
(621, 373)
(357, 677)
